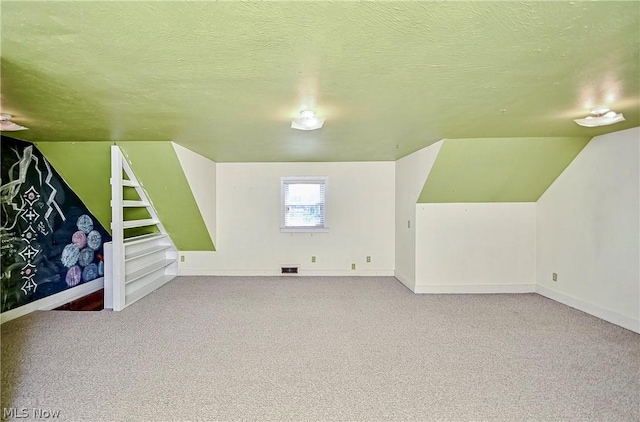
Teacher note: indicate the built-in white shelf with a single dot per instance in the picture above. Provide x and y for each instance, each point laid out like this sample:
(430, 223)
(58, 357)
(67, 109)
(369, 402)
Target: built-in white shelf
(145, 252)
(156, 265)
(136, 266)
(148, 288)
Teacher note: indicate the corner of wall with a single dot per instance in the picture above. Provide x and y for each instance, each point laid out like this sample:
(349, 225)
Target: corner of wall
(588, 231)
(201, 176)
(411, 172)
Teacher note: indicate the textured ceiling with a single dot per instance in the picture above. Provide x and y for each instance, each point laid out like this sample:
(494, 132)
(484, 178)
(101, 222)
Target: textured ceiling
(224, 79)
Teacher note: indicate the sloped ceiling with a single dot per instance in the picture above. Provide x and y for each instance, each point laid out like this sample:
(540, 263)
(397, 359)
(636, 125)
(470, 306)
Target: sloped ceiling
(86, 167)
(224, 79)
(498, 169)
(160, 173)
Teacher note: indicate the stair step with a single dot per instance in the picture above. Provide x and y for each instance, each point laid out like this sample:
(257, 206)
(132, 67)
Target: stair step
(130, 184)
(139, 223)
(135, 204)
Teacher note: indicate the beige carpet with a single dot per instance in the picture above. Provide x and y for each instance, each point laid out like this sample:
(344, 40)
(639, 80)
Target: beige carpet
(322, 349)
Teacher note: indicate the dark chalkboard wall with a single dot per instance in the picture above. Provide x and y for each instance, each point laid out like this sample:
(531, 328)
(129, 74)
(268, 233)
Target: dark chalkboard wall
(50, 240)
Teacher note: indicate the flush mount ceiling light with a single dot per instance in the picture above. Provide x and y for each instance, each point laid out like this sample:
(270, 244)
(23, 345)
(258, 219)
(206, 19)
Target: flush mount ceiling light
(602, 116)
(307, 121)
(6, 125)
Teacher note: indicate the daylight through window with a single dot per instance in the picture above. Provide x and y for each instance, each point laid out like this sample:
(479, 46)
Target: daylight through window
(304, 205)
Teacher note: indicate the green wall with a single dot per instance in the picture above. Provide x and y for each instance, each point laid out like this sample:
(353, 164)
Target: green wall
(466, 170)
(86, 166)
(158, 169)
(498, 169)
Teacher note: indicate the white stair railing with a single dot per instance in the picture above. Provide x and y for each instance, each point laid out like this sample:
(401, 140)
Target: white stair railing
(135, 263)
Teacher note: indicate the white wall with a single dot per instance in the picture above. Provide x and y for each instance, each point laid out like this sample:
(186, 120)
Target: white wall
(588, 231)
(411, 174)
(201, 175)
(475, 247)
(360, 215)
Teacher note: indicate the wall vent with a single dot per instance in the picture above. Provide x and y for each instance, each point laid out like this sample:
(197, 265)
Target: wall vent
(289, 270)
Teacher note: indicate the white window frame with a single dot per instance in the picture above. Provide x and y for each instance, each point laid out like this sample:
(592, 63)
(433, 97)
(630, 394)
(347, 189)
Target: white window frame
(303, 179)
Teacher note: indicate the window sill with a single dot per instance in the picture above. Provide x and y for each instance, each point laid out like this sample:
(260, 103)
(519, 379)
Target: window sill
(304, 229)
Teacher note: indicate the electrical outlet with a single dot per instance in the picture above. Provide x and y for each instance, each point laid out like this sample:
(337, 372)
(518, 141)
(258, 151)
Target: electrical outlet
(353, 266)
(368, 259)
(555, 277)
(181, 258)
(313, 259)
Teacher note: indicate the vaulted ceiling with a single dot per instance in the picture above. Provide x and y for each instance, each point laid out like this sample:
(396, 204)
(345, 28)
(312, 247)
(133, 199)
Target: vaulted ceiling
(224, 79)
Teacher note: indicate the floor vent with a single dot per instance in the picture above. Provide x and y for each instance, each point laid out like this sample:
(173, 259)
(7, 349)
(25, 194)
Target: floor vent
(289, 270)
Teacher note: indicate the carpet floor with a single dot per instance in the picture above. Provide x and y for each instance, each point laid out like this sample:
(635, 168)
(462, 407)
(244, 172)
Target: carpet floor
(320, 349)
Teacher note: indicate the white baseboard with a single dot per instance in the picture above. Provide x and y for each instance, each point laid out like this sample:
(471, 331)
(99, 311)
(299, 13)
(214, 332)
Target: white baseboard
(55, 300)
(595, 310)
(474, 288)
(409, 284)
(276, 272)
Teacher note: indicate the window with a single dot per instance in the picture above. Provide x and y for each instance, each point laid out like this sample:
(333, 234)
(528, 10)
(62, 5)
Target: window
(304, 204)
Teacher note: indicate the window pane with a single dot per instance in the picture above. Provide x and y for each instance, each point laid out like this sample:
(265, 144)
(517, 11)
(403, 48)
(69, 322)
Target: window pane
(304, 193)
(304, 216)
(304, 204)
